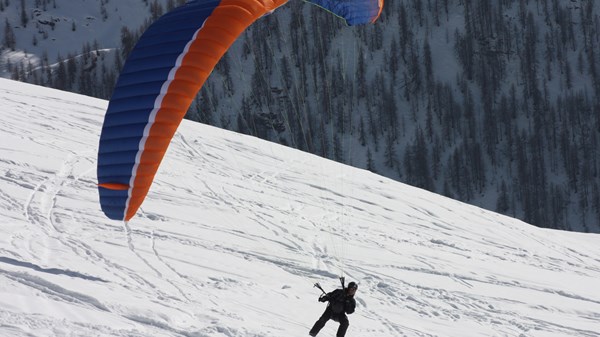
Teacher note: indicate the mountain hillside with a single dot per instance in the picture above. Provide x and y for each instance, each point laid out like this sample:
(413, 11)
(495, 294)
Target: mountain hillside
(236, 230)
(494, 103)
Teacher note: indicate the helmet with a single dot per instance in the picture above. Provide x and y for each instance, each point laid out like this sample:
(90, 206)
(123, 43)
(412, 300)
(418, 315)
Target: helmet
(352, 285)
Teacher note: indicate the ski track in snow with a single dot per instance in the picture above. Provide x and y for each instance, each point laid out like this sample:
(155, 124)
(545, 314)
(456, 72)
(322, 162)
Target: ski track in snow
(40, 206)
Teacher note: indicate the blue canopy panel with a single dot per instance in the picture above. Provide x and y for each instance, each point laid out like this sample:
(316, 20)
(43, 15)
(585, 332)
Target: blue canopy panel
(355, 12)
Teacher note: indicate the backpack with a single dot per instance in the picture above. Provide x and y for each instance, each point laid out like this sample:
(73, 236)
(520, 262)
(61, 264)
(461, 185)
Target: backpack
(337, 300)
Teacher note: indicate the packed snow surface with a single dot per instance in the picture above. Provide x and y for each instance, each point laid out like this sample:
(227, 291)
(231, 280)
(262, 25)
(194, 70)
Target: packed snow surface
(235, 231)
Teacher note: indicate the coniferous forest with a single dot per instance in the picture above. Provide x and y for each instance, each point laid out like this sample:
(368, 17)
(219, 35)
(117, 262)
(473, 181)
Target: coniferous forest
(495, 103)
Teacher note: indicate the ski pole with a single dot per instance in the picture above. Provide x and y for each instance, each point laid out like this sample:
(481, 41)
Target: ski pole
(317, 285)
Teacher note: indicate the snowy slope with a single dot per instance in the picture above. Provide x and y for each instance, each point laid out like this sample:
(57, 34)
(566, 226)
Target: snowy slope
(235, 232)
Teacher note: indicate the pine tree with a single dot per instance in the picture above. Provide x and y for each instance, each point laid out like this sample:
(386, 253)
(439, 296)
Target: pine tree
(10, 40)
(60, 78)
(390, 151)
(370, 162)
(156, 10)
(24, 16)
(362, 138)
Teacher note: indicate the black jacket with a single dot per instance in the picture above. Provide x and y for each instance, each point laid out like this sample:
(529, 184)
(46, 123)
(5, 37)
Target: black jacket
(339, 302)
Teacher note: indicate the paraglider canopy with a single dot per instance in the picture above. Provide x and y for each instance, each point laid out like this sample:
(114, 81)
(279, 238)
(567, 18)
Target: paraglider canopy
(160, 79)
